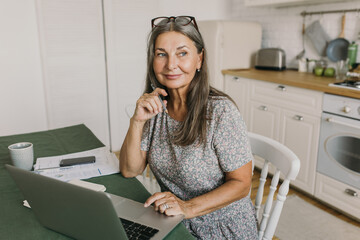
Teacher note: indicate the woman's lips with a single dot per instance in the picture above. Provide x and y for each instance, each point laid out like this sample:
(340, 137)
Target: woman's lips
(172, 76)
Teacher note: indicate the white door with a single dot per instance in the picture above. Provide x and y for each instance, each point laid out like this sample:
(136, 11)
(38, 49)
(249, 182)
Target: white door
(74, 70)
(127, 25)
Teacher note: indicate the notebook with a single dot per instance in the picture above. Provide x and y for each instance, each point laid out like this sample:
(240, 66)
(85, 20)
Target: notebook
(82, 213)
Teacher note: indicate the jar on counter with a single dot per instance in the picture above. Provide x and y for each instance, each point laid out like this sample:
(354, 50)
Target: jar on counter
(302, 65)
(311, 65)
(320, 66)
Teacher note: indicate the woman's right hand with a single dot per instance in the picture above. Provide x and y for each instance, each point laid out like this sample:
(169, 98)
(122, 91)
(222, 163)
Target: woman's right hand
(148, 105)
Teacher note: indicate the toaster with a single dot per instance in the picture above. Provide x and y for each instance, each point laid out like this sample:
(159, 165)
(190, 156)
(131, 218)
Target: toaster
(270, 58)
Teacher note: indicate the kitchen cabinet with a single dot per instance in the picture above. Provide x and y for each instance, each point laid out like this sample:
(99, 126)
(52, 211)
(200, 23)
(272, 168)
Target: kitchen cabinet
(237, 88)
(285, 3)
(287, 114)
(265, 119)
(340, 195)
(300, 132)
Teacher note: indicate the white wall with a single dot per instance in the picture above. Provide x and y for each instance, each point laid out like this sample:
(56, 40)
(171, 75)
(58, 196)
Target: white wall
(22, 101)
(200, 9)
(282, 26)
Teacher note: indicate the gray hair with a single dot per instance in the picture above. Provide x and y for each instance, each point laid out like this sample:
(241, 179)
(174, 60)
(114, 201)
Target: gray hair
(193, 128)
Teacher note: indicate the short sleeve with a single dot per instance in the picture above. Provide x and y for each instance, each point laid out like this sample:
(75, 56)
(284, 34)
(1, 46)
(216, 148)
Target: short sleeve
(231, 142)
(145, 138)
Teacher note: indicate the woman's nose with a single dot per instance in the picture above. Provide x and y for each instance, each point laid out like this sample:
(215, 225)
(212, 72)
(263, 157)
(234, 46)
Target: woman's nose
(172, 62)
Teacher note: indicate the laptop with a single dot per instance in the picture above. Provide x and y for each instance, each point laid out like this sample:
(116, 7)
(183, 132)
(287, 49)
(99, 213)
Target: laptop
(82, 213)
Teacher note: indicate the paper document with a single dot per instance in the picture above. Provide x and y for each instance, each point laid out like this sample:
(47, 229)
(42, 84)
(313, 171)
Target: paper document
(106, 164)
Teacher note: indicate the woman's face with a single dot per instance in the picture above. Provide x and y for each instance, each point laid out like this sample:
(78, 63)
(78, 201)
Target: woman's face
(175, 60)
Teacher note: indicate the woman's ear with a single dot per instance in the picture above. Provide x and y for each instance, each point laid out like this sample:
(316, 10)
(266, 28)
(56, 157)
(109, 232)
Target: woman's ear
(200, 60)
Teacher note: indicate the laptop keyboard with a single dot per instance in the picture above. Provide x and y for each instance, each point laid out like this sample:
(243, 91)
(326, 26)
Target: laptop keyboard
(137, 231)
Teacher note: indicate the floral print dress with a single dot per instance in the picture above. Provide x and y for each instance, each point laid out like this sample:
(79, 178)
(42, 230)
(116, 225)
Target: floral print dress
(193, 170)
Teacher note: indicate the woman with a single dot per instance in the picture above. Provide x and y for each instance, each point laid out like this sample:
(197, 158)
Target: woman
(197, 147)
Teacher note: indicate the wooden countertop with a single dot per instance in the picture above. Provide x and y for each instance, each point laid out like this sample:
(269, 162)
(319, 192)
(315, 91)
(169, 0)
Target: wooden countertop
(296, 79)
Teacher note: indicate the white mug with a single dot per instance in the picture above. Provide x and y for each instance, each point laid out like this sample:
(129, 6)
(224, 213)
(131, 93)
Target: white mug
(22, 155)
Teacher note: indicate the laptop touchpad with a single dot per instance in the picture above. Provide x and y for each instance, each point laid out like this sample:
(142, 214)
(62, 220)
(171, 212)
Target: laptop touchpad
(126, 207)
(130, 208)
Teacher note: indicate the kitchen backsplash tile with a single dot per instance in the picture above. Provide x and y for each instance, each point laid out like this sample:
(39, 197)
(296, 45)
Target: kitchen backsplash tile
(282, 26)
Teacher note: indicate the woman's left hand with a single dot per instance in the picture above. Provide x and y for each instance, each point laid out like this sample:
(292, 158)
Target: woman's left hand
(168, 204)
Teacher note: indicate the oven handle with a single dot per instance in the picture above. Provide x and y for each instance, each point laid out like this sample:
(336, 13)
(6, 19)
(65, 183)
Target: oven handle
(342, 123)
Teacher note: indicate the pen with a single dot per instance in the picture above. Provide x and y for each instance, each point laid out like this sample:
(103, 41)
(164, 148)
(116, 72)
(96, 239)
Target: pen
(162, 103)
(61, 168)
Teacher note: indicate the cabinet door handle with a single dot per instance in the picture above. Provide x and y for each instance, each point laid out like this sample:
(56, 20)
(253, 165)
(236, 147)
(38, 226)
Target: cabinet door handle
(299, 118)
(236, 79)
(282, 88)
(351, 192)
(264, 108)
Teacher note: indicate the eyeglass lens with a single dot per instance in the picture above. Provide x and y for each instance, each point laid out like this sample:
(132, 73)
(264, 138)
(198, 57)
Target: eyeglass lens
(183, 20)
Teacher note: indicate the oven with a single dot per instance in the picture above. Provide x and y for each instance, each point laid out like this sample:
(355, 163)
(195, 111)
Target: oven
(339, 146)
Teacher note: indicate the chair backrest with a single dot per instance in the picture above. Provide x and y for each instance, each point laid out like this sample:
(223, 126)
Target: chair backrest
(149, 181)
(286, 163)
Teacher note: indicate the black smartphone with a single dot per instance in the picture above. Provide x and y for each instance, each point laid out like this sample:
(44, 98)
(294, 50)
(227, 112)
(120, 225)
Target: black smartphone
(76, 161)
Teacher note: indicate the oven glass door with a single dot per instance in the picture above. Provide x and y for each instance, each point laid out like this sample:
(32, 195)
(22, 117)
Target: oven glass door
(339, 149)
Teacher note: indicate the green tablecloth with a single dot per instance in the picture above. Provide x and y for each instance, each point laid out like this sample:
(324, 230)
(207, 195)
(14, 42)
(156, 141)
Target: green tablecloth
(18, 222)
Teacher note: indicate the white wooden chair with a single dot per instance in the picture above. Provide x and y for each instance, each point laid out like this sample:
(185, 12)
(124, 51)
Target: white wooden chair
(286, 163)
(275, 154)
(147, 178)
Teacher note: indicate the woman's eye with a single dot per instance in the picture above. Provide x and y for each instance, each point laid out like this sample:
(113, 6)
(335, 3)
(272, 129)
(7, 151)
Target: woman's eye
(161, 54)
(182, 54)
